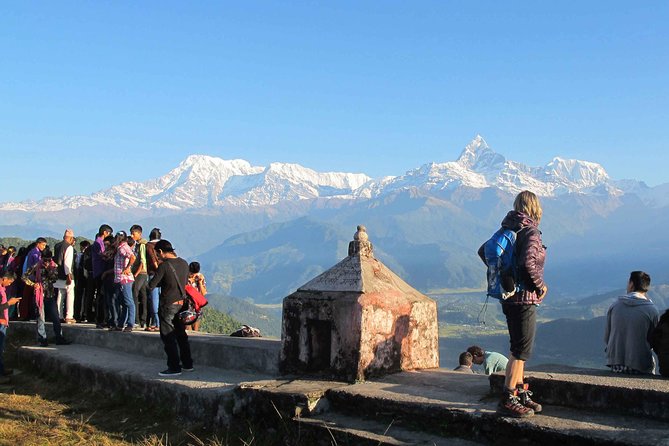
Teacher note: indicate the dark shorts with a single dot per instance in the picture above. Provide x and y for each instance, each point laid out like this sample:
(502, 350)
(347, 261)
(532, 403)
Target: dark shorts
(522, 323)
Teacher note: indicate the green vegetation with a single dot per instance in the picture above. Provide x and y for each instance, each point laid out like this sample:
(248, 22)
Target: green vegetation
(214, 321)
(266, 318)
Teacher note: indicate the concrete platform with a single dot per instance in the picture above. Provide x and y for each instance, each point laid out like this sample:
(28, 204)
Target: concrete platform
(246, 354)
(447, 402)
(641, 395)
(207, 393)
(419, 406)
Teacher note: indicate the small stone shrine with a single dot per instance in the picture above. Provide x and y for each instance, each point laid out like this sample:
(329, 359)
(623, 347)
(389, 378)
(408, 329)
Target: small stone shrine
(357, 320)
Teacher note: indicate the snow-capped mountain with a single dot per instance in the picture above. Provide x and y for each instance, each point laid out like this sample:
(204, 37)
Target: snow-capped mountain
(208, 182)
(479, 167)
(203, 181)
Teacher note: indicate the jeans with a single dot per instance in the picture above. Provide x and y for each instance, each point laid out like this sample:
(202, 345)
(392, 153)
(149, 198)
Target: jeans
(3, 335)
(125, 304)
(110, 302)
(174, 337)
(48, 309)
(154, 297)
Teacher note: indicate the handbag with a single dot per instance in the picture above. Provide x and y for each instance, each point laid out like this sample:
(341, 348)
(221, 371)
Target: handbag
(190, 312)
(198, 298)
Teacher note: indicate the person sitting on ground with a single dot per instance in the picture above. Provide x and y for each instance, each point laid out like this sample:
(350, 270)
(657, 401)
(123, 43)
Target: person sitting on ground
(465, 363)
(630, 321)
(659, 340)
(493, 362)
(42, 277)
(6, 279)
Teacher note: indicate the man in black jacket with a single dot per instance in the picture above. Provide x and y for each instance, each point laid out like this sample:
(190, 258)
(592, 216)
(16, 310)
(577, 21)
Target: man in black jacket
(172, 277)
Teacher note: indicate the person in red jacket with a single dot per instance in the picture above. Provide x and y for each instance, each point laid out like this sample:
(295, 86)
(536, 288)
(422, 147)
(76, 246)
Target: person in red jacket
(521, 308)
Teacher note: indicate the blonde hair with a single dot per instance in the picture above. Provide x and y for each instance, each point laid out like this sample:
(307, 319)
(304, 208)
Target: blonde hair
(528, 203)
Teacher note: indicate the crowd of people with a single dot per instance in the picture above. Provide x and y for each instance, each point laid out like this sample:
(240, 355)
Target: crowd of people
(118, 282)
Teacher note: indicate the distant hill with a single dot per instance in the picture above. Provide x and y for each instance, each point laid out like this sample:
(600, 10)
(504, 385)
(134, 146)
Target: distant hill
(267, 319)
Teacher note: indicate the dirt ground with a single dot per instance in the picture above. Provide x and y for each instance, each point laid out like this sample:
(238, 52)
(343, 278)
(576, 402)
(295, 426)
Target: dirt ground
(34, 411)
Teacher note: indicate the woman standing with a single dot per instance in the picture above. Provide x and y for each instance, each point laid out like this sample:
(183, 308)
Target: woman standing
(123, 280)
(521, 308)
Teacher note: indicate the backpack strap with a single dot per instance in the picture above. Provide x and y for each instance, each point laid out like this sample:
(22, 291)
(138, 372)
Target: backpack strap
(181, 288)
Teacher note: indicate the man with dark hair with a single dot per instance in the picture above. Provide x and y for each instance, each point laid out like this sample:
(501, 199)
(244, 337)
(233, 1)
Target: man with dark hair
(630, 322)
(465, 360)
(493, 362)
(27, 305)
(95, 301)
(140, 271)
(81, 280)
(172, 277)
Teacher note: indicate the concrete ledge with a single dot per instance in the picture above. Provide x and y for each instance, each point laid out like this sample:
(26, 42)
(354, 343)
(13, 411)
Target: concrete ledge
(641, 395)
(202, 395)
(225, 352)
(451, 403)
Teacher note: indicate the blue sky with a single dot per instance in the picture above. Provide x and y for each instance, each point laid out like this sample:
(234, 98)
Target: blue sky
(97, 93)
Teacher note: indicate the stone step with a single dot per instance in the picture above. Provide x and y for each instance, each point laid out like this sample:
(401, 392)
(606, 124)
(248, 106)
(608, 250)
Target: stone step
(334, 428)
(225, 352)
(206, 394)
(640, 395)
(450, 403)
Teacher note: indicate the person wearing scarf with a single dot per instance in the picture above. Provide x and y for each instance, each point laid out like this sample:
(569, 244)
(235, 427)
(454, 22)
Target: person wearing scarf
(41, 277)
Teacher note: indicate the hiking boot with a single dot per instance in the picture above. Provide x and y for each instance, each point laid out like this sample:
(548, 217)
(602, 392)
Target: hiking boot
(510, 406)
(524, 395)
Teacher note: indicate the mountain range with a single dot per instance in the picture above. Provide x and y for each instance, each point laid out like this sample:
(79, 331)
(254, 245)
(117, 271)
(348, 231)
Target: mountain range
(260, 232)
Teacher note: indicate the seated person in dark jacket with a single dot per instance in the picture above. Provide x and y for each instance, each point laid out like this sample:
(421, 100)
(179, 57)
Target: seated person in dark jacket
(660, 343)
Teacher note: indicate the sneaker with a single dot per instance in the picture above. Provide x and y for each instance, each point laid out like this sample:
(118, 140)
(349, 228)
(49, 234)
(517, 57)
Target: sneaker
(524, 395)
(510, 406)
(70, 321)
(187, 369)
(43, 343)
(127, 330)
(169, 372)
(63, 341)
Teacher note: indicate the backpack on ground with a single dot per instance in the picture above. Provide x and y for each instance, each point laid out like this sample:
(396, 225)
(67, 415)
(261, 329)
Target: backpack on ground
(246, 331)
(498, 255)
